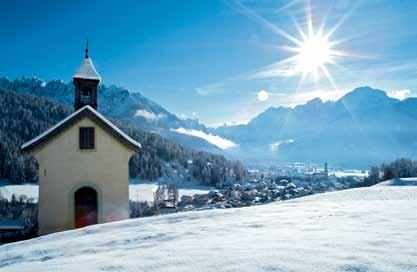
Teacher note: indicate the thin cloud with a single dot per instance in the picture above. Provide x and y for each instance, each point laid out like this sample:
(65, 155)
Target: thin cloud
(149, 115)
(213, 139)
(210, 89)
(400, 94)
(278, 69)
(229, 123)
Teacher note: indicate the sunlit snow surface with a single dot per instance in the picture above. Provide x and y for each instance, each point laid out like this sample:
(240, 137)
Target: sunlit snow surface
(365, 229)
(30, 191)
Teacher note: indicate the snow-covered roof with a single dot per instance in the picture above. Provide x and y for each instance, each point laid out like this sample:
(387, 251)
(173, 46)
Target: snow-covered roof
(87, 70)
(71, 119)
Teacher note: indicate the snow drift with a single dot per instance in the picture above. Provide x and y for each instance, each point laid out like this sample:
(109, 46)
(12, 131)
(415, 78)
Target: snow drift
(365, 229)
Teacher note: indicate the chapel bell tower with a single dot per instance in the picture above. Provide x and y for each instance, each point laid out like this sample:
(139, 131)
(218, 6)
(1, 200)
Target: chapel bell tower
(86, 81)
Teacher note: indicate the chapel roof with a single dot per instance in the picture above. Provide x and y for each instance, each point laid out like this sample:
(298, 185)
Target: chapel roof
(86, 111)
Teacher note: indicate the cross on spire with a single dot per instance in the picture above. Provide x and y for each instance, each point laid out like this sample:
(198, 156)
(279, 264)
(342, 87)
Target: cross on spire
(86, 49)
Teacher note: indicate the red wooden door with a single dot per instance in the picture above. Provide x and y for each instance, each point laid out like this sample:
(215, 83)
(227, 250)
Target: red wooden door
(86, 211)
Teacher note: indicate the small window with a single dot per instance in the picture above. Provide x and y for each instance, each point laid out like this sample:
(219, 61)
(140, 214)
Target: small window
(86, 138)
(86, 96)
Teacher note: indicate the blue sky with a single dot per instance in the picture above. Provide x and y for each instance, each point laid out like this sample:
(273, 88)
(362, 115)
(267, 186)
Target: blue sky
(210, 59)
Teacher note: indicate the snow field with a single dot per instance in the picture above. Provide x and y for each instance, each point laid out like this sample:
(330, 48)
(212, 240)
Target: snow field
(364, 229)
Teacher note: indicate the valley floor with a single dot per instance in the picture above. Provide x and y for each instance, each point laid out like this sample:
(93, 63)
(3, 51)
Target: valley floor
(365, 229)
(138, 190)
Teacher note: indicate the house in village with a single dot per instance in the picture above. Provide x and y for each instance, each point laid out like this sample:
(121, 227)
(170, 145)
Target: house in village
(83, 163)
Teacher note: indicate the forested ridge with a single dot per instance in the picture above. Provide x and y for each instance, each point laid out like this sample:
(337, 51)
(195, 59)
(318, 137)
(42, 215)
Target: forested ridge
(399, 168)
(24, 116)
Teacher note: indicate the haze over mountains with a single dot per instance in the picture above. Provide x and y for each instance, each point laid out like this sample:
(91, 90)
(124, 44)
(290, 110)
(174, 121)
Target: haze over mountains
(363, 128)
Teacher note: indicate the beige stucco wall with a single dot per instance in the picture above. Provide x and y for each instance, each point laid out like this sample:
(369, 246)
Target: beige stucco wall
(64, 168)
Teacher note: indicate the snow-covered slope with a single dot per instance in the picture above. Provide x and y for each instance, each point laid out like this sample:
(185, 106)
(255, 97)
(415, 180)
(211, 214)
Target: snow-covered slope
(29, 191)
(399, 182)
(365, 229)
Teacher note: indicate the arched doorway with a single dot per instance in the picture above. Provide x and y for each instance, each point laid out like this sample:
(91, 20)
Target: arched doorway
(86, 211)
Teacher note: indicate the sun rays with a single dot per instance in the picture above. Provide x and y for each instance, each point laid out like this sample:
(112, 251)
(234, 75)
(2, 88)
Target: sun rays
(314, 51)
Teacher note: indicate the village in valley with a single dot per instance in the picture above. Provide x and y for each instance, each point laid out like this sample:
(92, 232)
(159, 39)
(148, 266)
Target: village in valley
(179, 191)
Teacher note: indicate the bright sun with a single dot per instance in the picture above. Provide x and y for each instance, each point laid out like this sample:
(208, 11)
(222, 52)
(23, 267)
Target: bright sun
(315, 50)
(314, 53)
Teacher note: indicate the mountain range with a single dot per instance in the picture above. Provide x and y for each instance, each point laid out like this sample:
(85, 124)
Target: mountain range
(362, 128)
(121, 104)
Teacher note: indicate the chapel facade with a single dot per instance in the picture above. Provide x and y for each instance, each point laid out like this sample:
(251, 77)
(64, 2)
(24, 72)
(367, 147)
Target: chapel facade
(83, 163)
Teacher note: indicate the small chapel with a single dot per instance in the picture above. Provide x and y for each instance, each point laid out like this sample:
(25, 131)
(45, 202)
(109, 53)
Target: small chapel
(83, 163)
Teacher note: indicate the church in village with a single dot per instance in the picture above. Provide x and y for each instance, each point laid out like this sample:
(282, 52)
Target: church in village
(83, 163)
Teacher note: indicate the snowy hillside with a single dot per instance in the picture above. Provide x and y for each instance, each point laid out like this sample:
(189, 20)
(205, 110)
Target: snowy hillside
(399, 182)
(366, 229)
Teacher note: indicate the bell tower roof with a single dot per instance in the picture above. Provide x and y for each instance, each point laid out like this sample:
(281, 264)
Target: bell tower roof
(86, 69)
